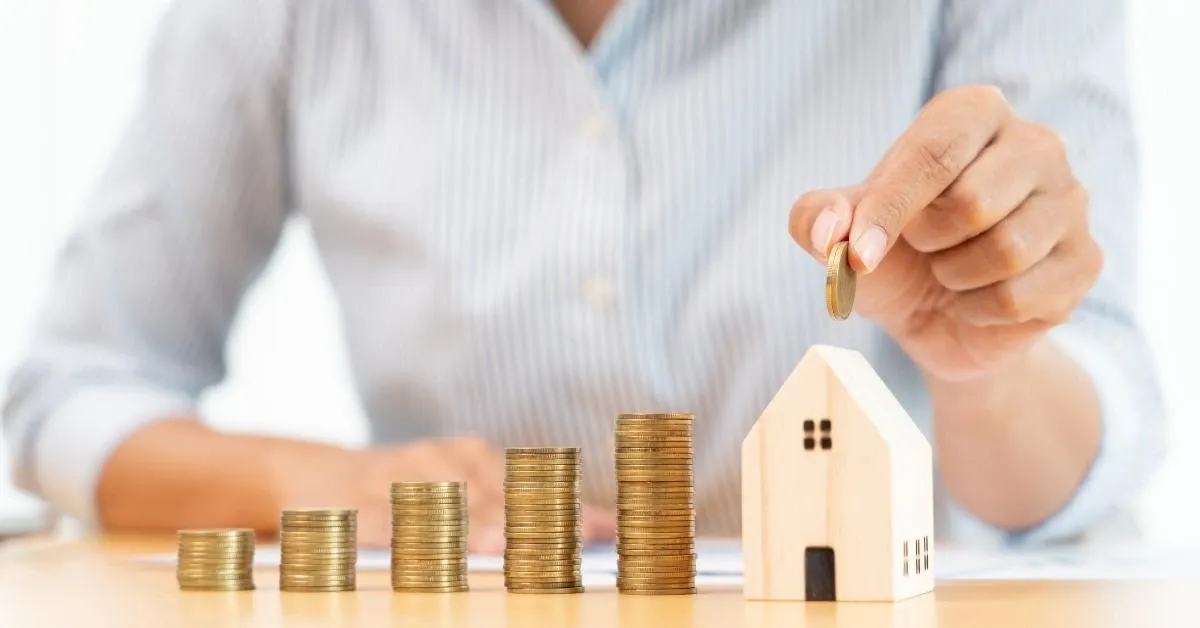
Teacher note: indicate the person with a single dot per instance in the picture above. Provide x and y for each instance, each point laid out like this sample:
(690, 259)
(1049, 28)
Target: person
(537, 215)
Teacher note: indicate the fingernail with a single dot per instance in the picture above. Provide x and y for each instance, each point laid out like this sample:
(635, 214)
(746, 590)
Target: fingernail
(869, 246)
(823, 229)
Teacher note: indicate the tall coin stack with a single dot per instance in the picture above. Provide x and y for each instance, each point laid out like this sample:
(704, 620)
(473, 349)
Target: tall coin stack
(429, 536)
(319, 549)
(542, 525)
(656, 513)
(215, 560)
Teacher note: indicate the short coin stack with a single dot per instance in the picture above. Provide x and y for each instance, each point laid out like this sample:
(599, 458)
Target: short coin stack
(215, 560)
(542, 526)
(656, 514)
(319, 549)
(429, 536)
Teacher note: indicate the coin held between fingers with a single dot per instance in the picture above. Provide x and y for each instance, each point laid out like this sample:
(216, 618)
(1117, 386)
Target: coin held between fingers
(840, 282)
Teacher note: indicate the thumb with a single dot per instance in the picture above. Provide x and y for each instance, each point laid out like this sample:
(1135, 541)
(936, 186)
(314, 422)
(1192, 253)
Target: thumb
(822, 217)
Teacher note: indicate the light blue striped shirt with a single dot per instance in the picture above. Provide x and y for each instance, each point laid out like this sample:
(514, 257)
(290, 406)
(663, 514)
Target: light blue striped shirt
(526, 238)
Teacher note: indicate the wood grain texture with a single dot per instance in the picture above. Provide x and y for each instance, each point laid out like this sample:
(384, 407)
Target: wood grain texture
(835, 461)
(93, 582)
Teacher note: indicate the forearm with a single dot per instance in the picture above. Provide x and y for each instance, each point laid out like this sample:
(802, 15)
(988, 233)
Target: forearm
(181, 474)
(1014, 446)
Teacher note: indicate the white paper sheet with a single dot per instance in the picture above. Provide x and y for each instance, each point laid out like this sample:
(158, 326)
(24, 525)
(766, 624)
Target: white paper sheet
(720, 563)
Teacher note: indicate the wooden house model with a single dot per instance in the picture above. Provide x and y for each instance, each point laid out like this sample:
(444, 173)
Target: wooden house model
(837, 489)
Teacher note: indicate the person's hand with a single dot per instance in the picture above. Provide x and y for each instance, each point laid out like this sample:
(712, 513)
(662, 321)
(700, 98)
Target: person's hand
(971, 236)
(363, 480)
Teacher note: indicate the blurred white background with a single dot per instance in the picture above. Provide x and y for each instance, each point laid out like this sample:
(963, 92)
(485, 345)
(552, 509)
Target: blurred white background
(70, 72)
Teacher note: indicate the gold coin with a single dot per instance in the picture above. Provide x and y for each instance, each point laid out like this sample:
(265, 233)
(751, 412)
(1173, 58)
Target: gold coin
(317, 575)
(410, 522)
(675, 562)
(663, 534)
(527, 536)
(534, 574)
(217, 532)
(655, 417)
(657, 591)
(419, 578)
(668, 512)
(550, 587)
(543, 451)
(668, 491)
(570, 549)
(525, 563)
(322, 553)
(450, 485)
(216, 547)
(520, 523)
(299, 513)
(199, 573)
(232, 586)
(425, 575)
(644, 429)
(454, 542)
(317, 535)
(651, 547)
(319, 558)
(540, 587)
(544, 499)
(539, 554)
(542, 511)
(227, 585)
(432, 526)
(432, 563)
(840, 282)
(514, 512)
(222, 555)
(520, 547)
(539, 511)
(648, 475)
(650, 522)
(213, 567)
(654, 585)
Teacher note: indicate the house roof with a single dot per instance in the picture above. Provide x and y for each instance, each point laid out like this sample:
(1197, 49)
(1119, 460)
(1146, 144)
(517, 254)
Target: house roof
(871, 395)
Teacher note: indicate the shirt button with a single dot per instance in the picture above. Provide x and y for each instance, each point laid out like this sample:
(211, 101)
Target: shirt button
(599, 292)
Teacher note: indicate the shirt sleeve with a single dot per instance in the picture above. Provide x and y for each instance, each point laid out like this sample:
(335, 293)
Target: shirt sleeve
(1063, 64)
(182, 221)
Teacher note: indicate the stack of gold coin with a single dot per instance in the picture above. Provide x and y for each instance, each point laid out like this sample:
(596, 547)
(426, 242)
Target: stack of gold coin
(319, 549)
(215, 560)
(429, 536)
(656, 514)
(542, 526)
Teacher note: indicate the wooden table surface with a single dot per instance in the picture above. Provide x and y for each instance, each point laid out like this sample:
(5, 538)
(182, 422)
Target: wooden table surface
(92, 582)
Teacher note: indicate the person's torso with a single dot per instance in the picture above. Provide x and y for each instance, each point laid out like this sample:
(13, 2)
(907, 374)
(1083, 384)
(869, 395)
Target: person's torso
(526, 241)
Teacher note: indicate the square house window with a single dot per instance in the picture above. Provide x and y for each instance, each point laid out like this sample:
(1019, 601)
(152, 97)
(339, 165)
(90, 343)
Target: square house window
(812, 437)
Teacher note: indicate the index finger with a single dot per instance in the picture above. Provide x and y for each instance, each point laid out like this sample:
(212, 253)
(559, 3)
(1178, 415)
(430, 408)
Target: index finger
(945, 138)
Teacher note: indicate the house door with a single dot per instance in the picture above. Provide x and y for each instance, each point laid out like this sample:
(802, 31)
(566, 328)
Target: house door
(819, 574)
